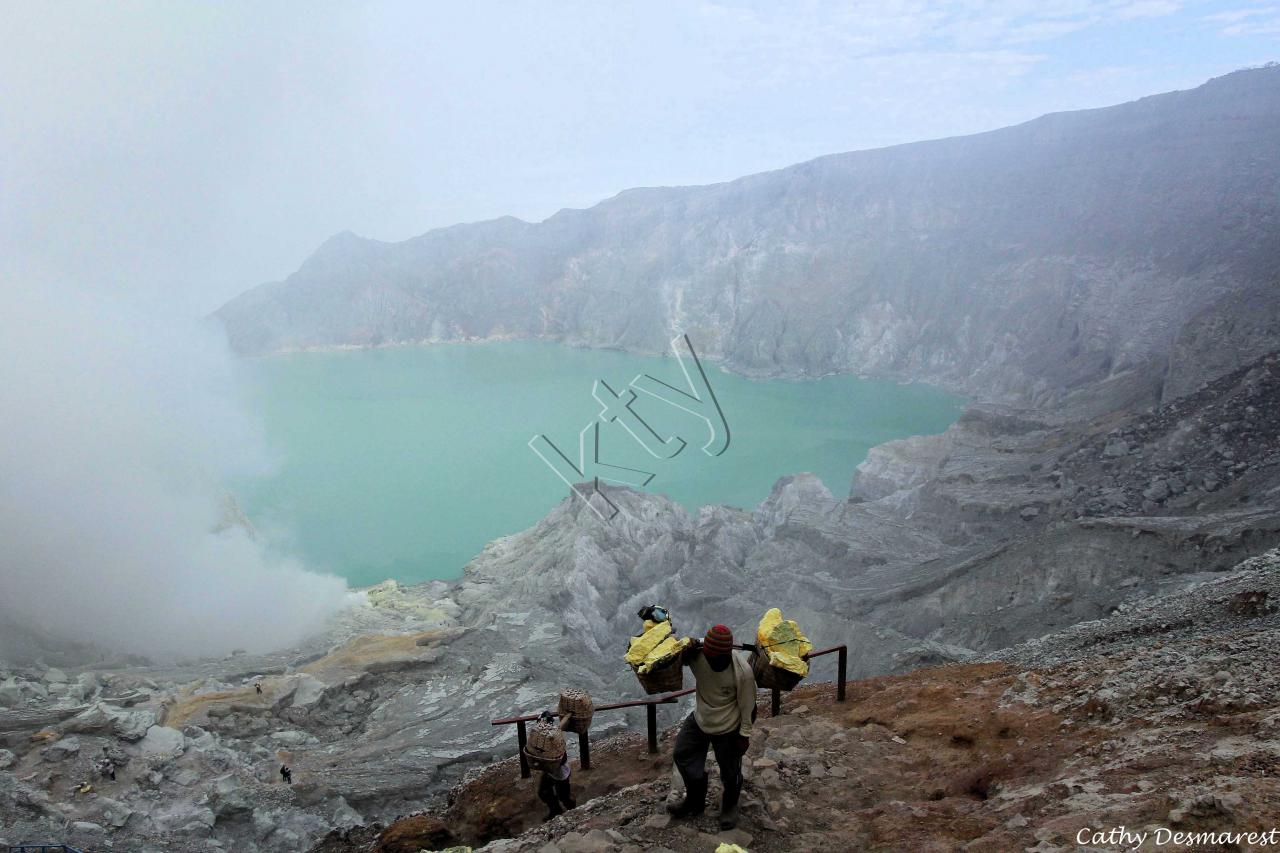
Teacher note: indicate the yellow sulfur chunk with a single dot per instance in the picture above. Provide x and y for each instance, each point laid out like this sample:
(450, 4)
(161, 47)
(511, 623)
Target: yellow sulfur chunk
(643, 645)
(663, 654)
(784, 642)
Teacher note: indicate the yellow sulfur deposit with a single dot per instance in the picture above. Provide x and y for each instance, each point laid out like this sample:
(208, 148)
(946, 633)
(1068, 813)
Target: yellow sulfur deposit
(784, 642)
(666, 651)
(655, 648)
(731, 848)
(648, 641)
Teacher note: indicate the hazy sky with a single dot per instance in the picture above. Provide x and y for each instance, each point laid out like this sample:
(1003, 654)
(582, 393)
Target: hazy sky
(179, 152)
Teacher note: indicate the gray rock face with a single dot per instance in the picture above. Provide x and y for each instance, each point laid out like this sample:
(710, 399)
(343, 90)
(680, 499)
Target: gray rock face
(101, 718)
(162, 740)
(1232, 332)
(61, 750)
(1024, 261)
(1246, 599)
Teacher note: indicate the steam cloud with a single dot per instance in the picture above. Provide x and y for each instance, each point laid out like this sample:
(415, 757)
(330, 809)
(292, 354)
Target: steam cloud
(117, 436)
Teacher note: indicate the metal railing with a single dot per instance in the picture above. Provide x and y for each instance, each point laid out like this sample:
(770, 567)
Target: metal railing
(841, 674)
(651, 710)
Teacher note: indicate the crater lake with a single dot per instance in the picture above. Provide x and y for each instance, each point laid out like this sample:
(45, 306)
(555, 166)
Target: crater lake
(404, 462)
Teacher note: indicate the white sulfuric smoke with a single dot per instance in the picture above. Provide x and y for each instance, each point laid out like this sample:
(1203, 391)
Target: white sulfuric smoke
(117, 436)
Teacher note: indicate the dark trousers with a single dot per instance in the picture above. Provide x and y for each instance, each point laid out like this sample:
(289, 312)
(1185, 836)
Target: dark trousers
(691, 760)
(553, 792)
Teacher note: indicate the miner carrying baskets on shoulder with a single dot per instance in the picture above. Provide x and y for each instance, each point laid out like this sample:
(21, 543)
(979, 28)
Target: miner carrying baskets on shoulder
(724, 709)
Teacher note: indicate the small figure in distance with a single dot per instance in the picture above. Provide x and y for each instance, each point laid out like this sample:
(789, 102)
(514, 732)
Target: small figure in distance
(286, 774)
(107, 767)
(553, 786)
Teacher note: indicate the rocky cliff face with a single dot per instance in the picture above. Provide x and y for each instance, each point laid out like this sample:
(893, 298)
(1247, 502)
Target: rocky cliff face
(1025, 261)
(1012, 523)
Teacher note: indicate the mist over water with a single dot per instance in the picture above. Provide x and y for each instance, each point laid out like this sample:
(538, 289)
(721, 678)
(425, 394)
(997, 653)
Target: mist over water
(118, 433)
(405, 462)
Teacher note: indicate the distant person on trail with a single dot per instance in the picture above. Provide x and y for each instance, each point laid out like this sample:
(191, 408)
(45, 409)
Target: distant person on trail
(553, 789)
(723, 712)
(258, 687)
(286, 774)
(105, 766)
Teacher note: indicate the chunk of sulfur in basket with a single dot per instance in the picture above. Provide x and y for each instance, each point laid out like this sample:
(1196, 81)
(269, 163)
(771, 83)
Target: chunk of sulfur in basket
(642, 646)
(666, 652)
(784, 642)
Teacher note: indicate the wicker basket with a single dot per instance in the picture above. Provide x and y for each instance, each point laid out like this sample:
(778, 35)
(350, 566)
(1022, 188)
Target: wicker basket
(545, 749)
(578, 703)
(769, 676)
(666, 679)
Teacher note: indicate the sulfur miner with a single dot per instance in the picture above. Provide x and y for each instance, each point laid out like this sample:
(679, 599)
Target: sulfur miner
(724, 709)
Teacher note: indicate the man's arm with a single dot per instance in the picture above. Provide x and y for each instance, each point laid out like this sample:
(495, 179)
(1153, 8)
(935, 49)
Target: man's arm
(746, 697)
(691, 652)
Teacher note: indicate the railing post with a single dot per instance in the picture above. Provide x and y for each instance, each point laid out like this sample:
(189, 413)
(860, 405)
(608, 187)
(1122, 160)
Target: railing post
(584, 750)
(524, 760)
(776, 704)
(844, 664)
(651, 710)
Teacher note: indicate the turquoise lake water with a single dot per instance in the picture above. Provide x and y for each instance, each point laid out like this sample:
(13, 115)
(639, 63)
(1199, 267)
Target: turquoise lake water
(404, 462)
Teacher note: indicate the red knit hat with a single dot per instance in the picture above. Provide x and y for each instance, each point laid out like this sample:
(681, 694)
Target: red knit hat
(719, 641)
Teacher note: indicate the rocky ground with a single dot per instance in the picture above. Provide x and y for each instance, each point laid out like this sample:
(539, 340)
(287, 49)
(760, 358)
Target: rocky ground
(1164, 717)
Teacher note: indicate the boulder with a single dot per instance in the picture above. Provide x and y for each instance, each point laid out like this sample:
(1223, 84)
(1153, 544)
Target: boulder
(344, 815)
(101, 718)
(84, 827)
(184, 817)
(199, 738)
(594, 841)
(162, 740)
(1157, 491)
(300, 691)
(61, 750)
(293, 737)
(309, 692)
(11, 691)
(412, 833)
(112, 812)
(186, 777)
(229, 797)
(7, 759)
(264, 823)
(1116, 447)
(83, 687)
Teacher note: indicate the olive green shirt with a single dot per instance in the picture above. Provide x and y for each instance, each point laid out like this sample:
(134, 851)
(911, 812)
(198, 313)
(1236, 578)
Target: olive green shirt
(724, 700)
